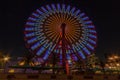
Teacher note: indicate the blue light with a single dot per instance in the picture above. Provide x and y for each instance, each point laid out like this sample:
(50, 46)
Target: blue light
(88, 22)
(91, 41)
(79, 51)
(38, 33)
(92, 31)
(30, 23)
(50, 49)
(33, 19)
(90, 46)
(60, 57)
(91, 26)
(35, 46)
(48, 7)
(77, 47)
(72, 10)
(63, 8)
(54, 8)
(44, 9)
(86, 50)
(75, 58)
(29, 29)
(40, 51)
(85, 18)
(30, 34)
(77, 12)
(46, 54)
(32, 40)
(58, 7)
(92, 36)
(68, 57)
(39, 11)
(82, 14)
(41, 40)
(36, 15)
(43, 48)
(68, 8)
(81, 54)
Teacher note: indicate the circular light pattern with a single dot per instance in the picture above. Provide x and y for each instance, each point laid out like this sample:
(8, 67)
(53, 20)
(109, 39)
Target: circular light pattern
(43, 32)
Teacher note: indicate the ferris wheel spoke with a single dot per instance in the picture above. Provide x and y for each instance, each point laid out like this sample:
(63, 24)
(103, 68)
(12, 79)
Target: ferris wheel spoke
(88, 22)
(67, 37)
(90, 46)
(44, 10)
(54, 18)
(71, 38)
(72, 20)
(39, 43)
(77, 50)
(66, 17)
(49, 8)
(43, 47)
(30, 23)
(31, 18)
(72, 11)
(30, 34)
(50, 49)
(36, 15)
(85, 18)
(40, 12)
(58, 8)
(92, 31)
(74, 57)
(86, 51)
(90, 26)
(82, 15)
(91, 41)
(77, 13)
(34, 39)
(36, 45)
(92, 36)
(29, 29)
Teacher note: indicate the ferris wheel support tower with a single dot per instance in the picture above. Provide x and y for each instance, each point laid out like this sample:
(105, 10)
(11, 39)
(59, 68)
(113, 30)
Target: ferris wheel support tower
(64, 60)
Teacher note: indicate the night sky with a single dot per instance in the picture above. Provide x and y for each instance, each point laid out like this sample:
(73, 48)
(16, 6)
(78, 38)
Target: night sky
(105, 16)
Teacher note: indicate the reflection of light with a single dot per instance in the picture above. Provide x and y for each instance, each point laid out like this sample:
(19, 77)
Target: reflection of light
(69, 61)
(32, 64)
(11, 71)
(97, 72)
(22, 63)
(37, 63)
(111, 58)
(6, 58)
(118, 64)
(116, 57)
(110, 67)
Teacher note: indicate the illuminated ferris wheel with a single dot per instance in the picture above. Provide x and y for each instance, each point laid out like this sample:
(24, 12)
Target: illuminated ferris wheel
(60, 29)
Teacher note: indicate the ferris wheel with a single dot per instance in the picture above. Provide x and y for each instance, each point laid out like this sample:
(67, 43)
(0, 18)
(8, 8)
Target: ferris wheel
(60, 29)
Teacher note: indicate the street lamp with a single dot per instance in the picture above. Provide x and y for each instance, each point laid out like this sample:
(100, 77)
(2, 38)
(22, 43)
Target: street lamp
(5, 60)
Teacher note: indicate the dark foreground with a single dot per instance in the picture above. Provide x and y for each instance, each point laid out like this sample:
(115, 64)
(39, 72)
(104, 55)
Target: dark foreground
(20, 76)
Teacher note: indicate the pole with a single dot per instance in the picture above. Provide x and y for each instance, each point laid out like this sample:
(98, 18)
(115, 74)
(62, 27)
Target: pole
(64, 60)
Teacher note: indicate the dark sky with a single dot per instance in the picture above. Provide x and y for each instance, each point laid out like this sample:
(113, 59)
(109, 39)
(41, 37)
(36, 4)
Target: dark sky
(105, 16)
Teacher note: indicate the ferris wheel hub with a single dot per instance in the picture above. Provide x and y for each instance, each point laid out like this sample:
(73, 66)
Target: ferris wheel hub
(63, 25)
